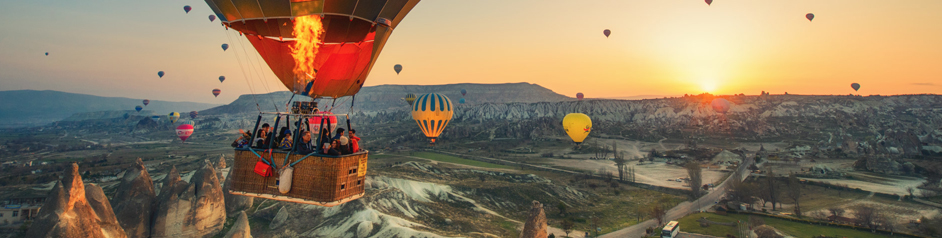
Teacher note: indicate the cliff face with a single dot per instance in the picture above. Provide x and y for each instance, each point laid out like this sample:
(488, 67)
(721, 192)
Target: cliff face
(134, 201)
(75, 210)
(194, 209)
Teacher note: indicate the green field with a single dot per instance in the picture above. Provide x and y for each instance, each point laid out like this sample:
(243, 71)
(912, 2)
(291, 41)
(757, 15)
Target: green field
(796, 229)
(456, 160)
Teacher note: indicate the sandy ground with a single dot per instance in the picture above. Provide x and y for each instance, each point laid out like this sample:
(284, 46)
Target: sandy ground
(886, 184)
(655, 173)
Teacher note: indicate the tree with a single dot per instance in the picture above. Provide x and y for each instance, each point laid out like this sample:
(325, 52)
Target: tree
(567, 226)
(770, 194)
(793, 191)
(836, 211)
(652, 154)
(657, 211)
(562, 208)
(619, 162)
(696, 177)
(614, 185)
(867, 215)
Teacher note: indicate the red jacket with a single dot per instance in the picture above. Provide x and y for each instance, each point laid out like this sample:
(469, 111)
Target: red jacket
(354, 143)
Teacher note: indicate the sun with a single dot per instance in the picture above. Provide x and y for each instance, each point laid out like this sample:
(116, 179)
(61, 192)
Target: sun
(708, 85)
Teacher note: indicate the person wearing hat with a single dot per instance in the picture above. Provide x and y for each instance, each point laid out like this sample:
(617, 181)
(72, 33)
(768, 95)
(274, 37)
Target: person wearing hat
(286, 141)
(344, 146)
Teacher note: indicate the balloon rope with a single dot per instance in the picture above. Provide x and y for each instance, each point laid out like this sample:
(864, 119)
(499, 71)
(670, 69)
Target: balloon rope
(247, 82)
(253, 69)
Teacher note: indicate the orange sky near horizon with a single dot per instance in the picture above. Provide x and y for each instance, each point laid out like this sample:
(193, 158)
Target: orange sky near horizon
(675, 47)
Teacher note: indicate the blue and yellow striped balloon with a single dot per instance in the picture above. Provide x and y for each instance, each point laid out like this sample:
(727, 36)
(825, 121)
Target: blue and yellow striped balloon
(432, 112)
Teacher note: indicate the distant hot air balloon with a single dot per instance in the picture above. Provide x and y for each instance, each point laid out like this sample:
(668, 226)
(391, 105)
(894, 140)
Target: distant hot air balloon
(464, 92)
(160, 74)
(146, 102)
(225, 47)
(212, 18)
(138, 108)
(193, 114)
(577, 126)
(607, 32)
(216, 92)
(410, 98)
(810, 16)
(187, 8)
(856, 86)
(580, 96)
(173, 116)
(222, 78)
(330, 122)
(720, 105)
(47, 53)
(461, 101)
(709, 2)
(432, 112)
(155, 118)
(398, 68)
(126, 116)
(184, 131)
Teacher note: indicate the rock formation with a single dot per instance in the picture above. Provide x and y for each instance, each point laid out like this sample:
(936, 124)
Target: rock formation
(536, 223)
(279, 219)
(241, 228)
(194, 209)
(235, 203)
(68, 212)
(134, 201)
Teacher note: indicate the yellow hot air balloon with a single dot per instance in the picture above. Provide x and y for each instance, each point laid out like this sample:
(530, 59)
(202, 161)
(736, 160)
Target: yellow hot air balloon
(173, 117)
(578, 126)
(432, 112)
(410, 98)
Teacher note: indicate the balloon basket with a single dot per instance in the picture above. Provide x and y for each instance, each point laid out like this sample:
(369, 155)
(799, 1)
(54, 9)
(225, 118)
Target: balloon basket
(320, 180)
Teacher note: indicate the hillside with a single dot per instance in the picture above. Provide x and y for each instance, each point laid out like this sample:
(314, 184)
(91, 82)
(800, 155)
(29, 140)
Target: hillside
(32, 107)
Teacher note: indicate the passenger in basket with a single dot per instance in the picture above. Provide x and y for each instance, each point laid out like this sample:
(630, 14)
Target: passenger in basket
(306, 146)
(286, 141)
(354, 141)
(243, 140)
(333, 148)
(339, 134)
(344, 146)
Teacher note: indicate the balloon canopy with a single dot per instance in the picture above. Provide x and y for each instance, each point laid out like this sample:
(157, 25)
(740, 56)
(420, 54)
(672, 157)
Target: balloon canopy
(580, 96)
(212, 18)
(222, 78)
(410, 98)
(216, 92)
(173, 116)
(187, 8)
(709, 2)
(155, 118)
(138, 108)
(607, 32)
(432, 112)
(577, 126)
(225, 47)
(720, 105)
(810, 16)
(126, 116)
(160, 74)
(855, 86)
(193, 114)
(47, 53)
(461, 101)
(397, 68)
(464, 92)
(337, 41)
(330, 122)
(146, 102)
(184, 131)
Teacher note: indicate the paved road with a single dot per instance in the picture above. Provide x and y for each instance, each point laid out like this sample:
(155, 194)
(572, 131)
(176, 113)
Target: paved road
(682, 209)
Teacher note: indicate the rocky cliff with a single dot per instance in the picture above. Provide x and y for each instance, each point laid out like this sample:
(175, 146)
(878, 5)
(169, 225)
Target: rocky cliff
(134, 201)
(535, 227)
(194, 209)
(73, 209)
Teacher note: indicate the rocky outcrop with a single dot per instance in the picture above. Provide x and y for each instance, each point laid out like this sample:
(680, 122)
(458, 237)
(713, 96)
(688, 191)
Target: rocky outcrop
(134, 201)
(279, 219)
(241, 228)
(68, 212)
(536, 222)
(194, 209)
(235, 203)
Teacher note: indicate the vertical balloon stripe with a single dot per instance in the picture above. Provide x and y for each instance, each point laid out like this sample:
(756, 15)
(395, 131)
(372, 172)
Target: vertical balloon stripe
(432, 103)
(441, 103)
(425, 122)
(424, 101)
(448, 103)
(439, 127)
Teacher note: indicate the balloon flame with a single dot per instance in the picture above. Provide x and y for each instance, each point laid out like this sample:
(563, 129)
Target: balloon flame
(308, 31)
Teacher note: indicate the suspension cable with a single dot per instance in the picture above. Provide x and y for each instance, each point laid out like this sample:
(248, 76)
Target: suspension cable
(239, 61)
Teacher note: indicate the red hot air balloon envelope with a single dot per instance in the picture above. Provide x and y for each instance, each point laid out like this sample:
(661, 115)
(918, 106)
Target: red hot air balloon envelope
(607, 32)
(810, 16)
(184, 131)
(580, 96)
(216, 92)
(187, 8)
(720, 105)
(314, 123)
(708, 2)
(146, 102)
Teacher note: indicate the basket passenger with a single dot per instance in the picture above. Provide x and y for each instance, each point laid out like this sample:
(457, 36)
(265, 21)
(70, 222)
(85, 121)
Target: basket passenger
(243, 140)
(306, 146)
(354, 141)
(286, 140)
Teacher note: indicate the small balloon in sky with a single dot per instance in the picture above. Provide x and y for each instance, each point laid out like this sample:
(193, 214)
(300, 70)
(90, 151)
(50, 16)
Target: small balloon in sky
(607, 32)
(47, 53)
(855, 86)
(216, 92)
(222, 78)
(138, 108)
(146, 102)
(398, 68)
(580, 96)
(212, 18)
(160, 74)
(187, 8)
(810, 16)
(225, 47)
(708, 2)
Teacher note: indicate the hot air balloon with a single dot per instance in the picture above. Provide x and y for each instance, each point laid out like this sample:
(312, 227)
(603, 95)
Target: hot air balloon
(225, 47)
(398, 68)
(464, 92)
(146, 102)
(432, 112)
(607, 32)
(160, 74)
(461, 101)
(212, 18)
(708, 2)
(193, 114)
(47, 53)
(580, 96)
(155, 118)
(173, 116)
(216, 92)
(222, 78)
(720, 105)
(810, 16)
(855, 86)
(184, 131)
(330, 122)
(126, 116)
(139, 108)
(410, 98)
(187, 8)
(577, 126)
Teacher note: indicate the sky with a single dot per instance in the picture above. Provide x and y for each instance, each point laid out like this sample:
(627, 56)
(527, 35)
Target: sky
(657, 47)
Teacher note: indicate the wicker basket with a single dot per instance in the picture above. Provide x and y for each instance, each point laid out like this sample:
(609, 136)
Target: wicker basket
(321, 180)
